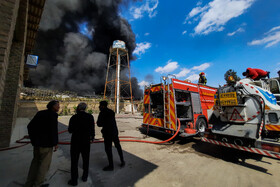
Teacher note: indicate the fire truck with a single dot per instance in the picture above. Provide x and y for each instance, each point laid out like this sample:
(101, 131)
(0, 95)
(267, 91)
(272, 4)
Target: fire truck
(246, 116)
(172, 100)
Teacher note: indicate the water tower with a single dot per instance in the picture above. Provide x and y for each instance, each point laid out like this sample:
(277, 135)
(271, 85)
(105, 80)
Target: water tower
(118, 83)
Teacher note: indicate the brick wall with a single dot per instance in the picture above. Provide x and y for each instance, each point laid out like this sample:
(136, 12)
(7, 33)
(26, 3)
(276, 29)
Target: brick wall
(14, 69)
(8, 15)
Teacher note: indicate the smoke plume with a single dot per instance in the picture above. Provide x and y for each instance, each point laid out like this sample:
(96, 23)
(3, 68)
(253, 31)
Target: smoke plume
(149, 78)
(72, 61)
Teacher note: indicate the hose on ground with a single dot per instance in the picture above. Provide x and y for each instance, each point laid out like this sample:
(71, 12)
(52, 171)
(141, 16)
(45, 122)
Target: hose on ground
(99, 140)
(141, 141)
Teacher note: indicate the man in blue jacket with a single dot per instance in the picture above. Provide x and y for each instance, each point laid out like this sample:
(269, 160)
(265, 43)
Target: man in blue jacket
(107, 121)
(43, 134)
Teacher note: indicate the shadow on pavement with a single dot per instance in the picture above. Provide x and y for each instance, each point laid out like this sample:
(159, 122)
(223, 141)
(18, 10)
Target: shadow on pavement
(135, 168)
(205, 149)
(230, 155)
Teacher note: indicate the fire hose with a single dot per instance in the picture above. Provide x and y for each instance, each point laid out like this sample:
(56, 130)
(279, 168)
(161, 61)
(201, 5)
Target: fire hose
(99, 140)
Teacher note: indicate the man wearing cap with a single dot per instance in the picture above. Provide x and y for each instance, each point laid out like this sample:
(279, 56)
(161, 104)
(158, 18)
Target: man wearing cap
(255, 74)
(43, 134)
(202, 79)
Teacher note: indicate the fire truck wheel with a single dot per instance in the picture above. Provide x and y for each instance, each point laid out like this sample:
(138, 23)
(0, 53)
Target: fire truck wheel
(201, 125)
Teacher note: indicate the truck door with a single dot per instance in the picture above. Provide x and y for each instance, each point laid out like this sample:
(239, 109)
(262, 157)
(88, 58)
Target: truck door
(196, 104)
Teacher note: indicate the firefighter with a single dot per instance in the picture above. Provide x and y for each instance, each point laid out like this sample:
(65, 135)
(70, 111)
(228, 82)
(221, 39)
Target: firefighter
(202, 78)
(255, 74)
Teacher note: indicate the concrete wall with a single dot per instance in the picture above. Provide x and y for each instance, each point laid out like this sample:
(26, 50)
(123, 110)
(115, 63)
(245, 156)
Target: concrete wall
(27, 109)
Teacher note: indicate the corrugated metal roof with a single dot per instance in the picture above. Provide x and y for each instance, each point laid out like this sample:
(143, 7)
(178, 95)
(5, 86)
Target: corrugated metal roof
(35, 10)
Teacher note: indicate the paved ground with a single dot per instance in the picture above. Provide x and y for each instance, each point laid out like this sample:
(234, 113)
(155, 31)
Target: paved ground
(179, 163)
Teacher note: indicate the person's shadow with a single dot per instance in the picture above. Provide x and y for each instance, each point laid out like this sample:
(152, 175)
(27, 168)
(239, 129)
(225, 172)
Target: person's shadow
(135, 169)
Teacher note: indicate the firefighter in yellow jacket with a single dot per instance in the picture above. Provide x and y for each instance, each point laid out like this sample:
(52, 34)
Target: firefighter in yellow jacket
(202, 79)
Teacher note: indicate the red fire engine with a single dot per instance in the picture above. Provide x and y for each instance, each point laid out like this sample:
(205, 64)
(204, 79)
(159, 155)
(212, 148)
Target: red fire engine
(173, 100)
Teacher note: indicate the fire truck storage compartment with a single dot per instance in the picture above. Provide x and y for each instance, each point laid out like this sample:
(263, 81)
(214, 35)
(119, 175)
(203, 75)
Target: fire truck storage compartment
(157, 104)
(187, 104)
(183, 105)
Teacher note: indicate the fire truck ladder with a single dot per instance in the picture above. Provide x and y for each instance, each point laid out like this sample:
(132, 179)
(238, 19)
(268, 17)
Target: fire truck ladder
(166, 106)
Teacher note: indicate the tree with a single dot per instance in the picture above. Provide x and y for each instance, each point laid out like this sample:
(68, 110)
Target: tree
(231, 72)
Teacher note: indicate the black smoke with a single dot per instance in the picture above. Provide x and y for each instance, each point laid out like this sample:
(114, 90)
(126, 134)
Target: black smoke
(149, 78)
(72, 61)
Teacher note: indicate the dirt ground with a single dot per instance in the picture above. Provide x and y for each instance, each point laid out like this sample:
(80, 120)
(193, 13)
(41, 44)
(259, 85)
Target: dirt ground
(183, 162)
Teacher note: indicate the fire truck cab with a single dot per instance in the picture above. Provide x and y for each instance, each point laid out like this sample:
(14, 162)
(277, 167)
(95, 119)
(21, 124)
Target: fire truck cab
(173, 100)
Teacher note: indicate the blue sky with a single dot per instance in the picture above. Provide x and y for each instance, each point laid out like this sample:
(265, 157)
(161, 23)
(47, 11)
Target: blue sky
(185, 37)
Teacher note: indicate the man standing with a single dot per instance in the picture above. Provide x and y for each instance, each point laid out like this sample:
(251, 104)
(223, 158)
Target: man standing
(107, 121)
(43, 134)
(81, 125)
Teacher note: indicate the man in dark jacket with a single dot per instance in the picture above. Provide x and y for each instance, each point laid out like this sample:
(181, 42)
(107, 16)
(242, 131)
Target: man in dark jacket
(43, 134)
(255, 74)
(81, 125)
(107, 121)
